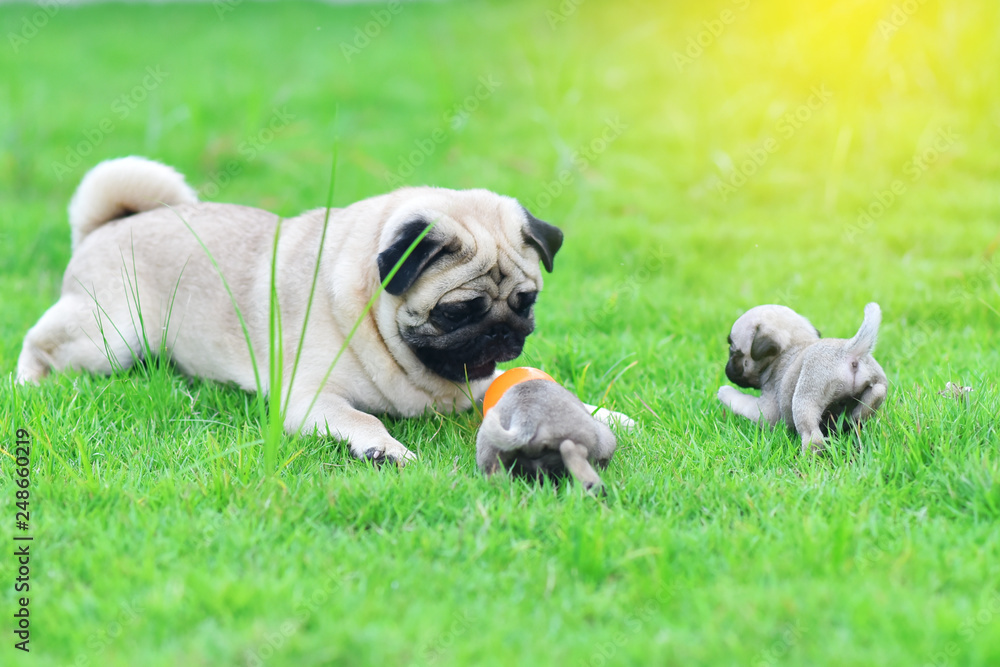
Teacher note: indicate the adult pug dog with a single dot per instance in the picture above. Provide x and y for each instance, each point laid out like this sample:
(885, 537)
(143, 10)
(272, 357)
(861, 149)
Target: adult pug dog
(139, 279)
(806, 381)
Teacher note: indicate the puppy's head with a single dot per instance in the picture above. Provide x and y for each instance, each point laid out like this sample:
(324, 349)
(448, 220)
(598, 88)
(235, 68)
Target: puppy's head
(464, 296)
(759, 337)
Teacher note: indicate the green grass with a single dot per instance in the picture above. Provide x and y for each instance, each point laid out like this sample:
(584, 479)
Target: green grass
(161, 538)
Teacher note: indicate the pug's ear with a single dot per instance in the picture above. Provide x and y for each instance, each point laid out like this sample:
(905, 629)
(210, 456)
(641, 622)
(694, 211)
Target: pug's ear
(764, 345)
(429, 250)
(543, 237)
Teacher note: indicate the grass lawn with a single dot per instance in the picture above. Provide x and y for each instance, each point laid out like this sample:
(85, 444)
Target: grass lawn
(701, 158)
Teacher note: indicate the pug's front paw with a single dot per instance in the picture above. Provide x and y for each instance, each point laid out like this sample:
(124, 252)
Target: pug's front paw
(392, 452)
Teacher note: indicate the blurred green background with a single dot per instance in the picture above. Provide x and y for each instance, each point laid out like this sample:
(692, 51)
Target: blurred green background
(702, 158)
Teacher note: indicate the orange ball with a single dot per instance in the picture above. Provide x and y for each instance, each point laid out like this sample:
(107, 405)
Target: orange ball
(507, 380)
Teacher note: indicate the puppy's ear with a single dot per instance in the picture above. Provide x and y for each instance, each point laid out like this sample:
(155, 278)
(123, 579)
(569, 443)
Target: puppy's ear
(543, 237)
(764, 345)
(429, 250)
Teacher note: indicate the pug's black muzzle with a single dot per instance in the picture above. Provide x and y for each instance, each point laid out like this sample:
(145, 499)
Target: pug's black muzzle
(472, 355)
(734, 371)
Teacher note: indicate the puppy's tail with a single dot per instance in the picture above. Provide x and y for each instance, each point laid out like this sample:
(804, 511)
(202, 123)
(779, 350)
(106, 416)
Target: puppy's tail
(504, 434)
(864, 341)
(122, 187)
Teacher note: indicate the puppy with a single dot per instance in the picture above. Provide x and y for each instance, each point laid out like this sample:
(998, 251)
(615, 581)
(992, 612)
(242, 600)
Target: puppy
(155, 270)
(539, 428)
(805, 381)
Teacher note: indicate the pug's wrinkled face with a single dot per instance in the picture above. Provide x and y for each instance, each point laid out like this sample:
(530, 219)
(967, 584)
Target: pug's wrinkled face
(468, 337)
(759, 337)
(469, 286)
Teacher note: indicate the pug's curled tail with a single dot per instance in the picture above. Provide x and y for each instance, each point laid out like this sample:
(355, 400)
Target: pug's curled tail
(864, 341)
(122, 187)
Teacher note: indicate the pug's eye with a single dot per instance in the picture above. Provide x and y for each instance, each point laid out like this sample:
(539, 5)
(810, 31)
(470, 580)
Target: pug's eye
(522, 302)
(459, 312)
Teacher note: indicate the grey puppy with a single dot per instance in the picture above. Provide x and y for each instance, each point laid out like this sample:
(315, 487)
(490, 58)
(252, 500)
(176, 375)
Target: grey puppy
(539, 428)
(805, 381)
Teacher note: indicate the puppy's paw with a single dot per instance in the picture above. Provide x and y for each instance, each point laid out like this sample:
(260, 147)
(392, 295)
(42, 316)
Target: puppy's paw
(27, 380)
(727, 395)
(30, 369)
(813, 443)
(611, 418)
